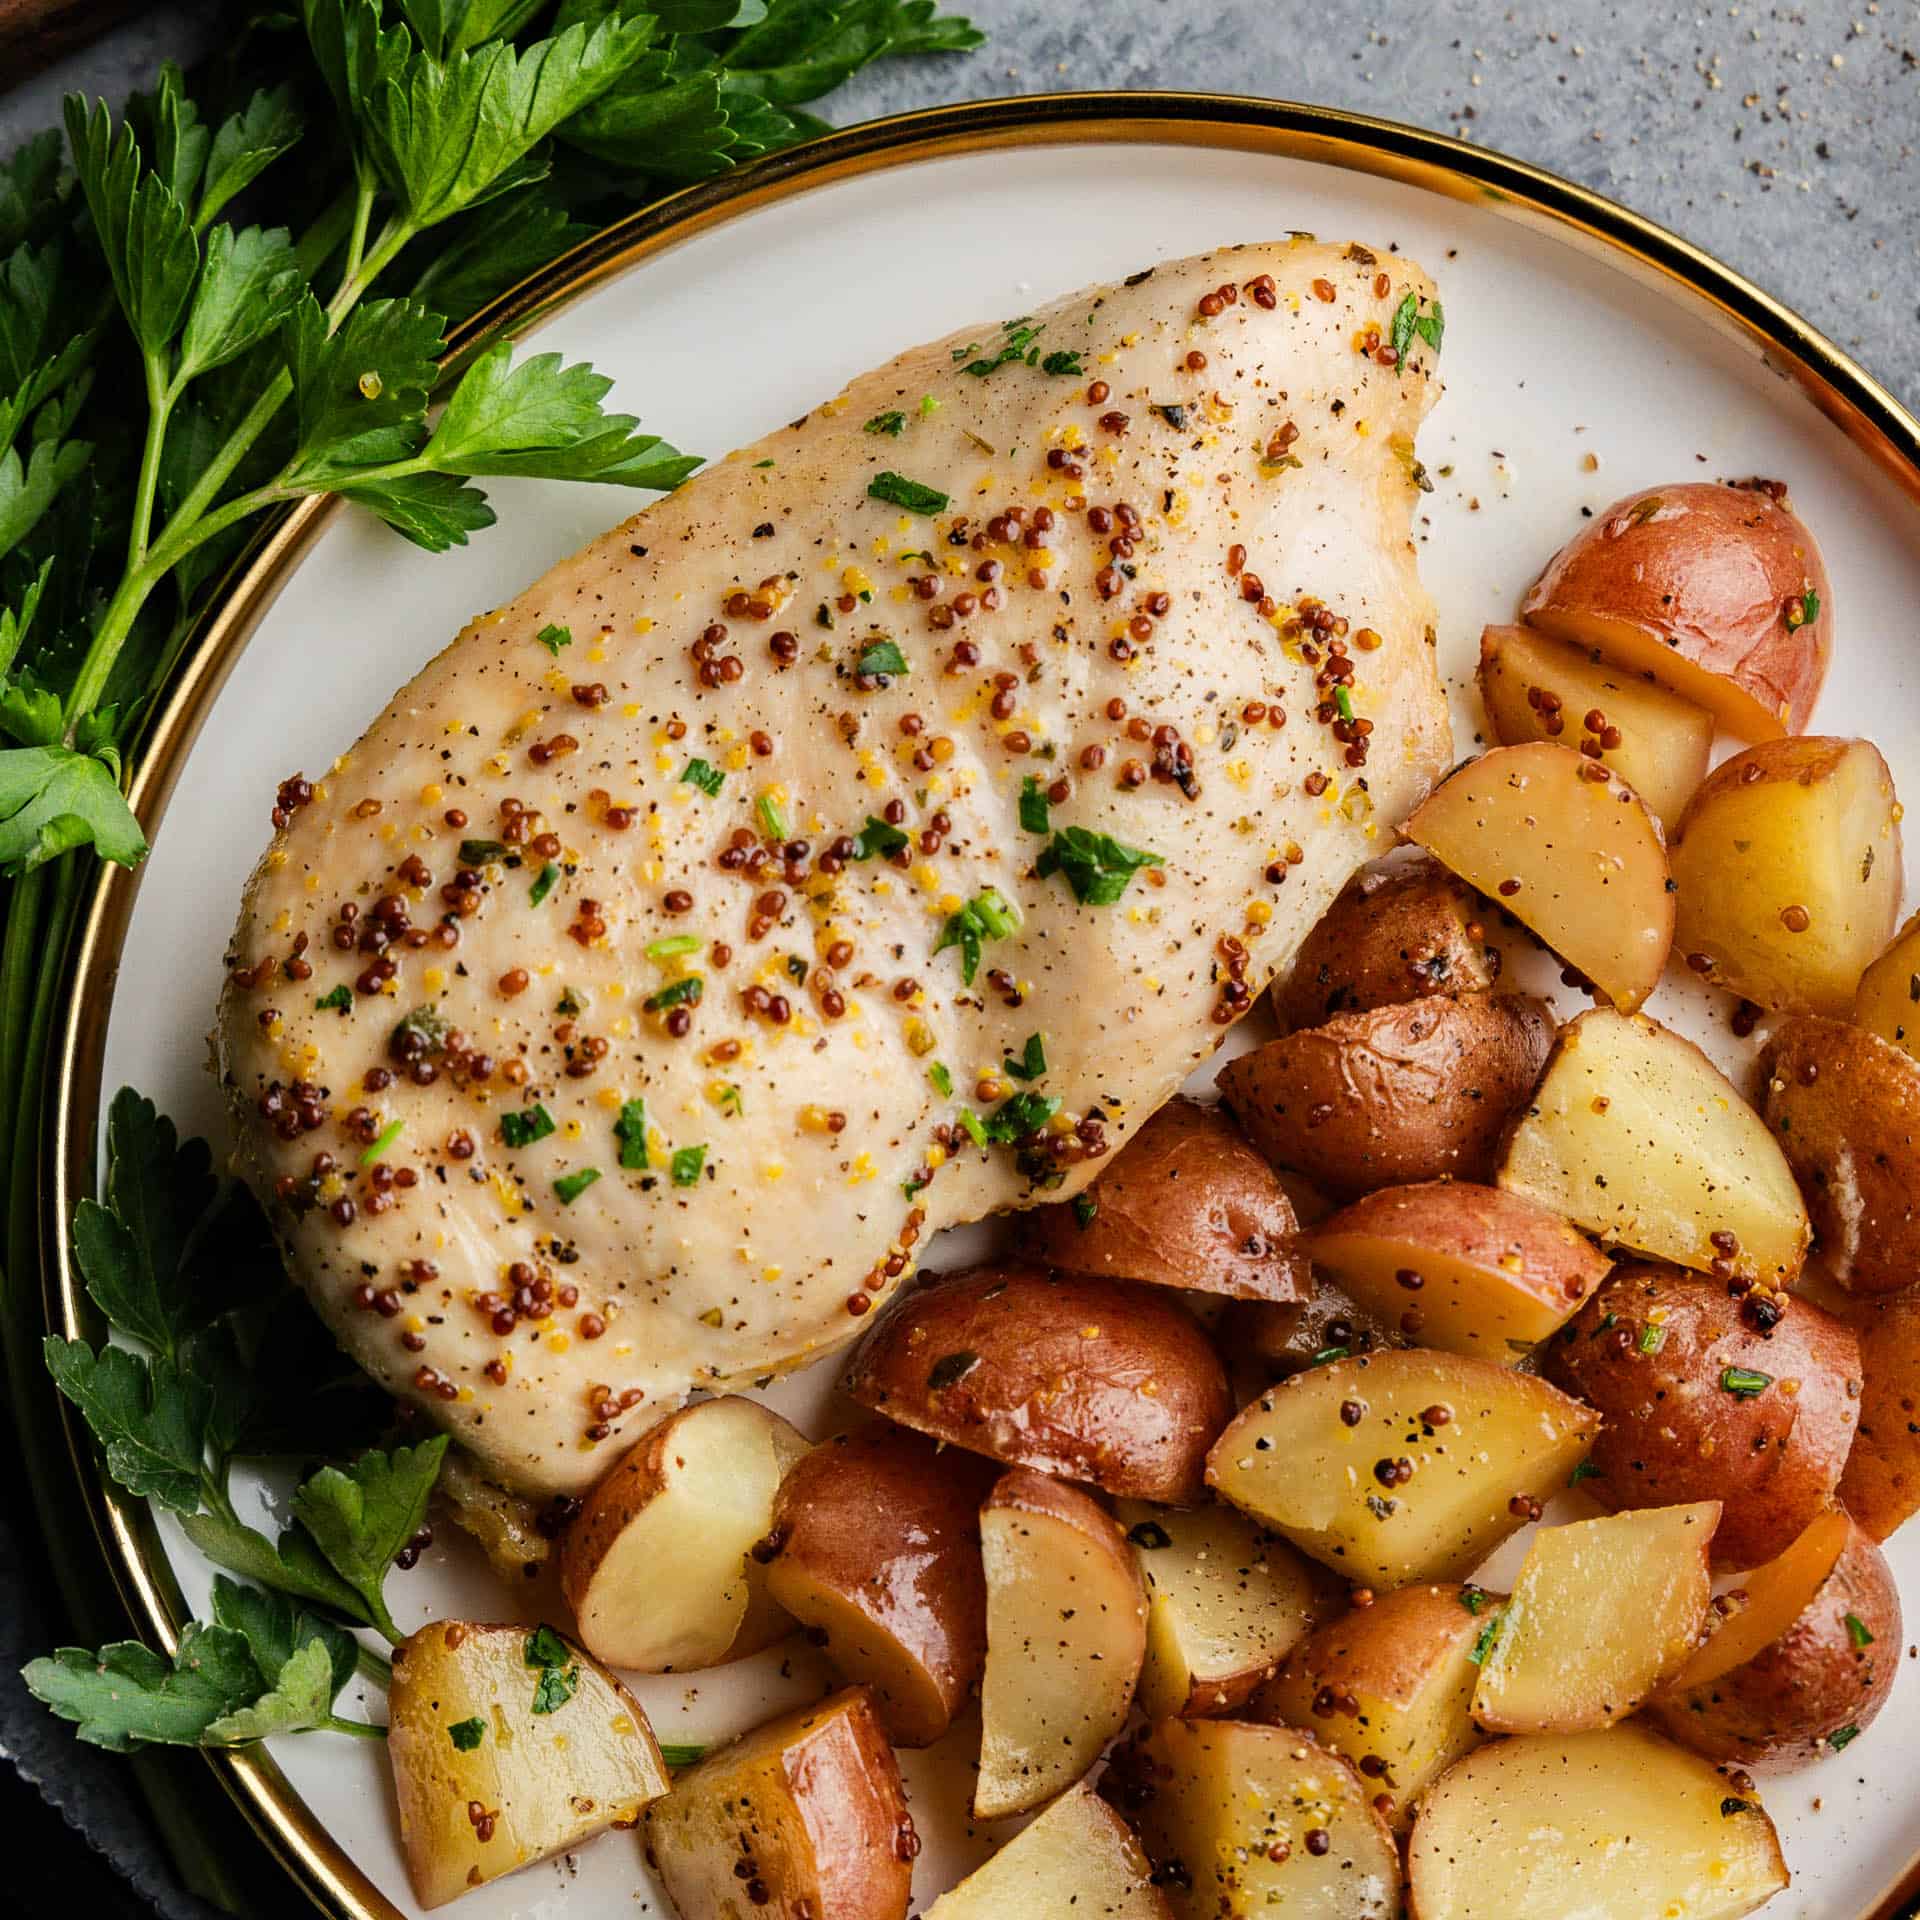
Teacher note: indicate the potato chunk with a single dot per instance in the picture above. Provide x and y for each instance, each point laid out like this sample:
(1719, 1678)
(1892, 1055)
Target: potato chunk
(1576, 1826)
(1788, 866)
(1567, 849)
(1602, 1612)
(519, 1724)
(1635, 1135)
(1244, 1821)
(1066, 1635)
(1881, 1484)
(1537, 688)
(1400, 1466)
(1888, 1001)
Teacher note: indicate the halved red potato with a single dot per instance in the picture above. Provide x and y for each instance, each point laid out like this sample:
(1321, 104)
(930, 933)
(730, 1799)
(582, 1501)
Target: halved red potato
(1185, 1203)
(1602, 1612)
(1881, 1484)
(1078, 1861)
(1277, 1339)
(1789, 872)
(1466, 1268)
(1888, 999)
(1804, 1660)
(1717, 592)
(1098, 1380)
(1066, 1635)
(875, 1546)
(1565, 848)
(1539, 688)
(1615, 1825)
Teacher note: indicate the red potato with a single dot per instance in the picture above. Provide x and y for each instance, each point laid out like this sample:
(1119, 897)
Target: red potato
(1717, 592)
(1881, 1486)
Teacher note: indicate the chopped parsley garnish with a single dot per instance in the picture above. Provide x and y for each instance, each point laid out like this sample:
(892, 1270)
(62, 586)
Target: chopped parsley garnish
(387, 1136)
(1343, 703)
(1149, 1536)
(631, 1132)
(1063, 360)
(1839, 1739)
(877, 837)
(880, 660)
(1409, 320)
(728, 1100)
(672, 945)
(543, 884)
(545, 1648)
(1586, 1470)
(570, 1186)
(1021, 1116)
(1098, 867)
(686, 1165)
(1744, 1382)
(554, 638)
(678, 1758)
(941, 1080)
(989, 915)
(898, 491)
(555, 1688)
(340, 1000)
(973, 1126)
(1017, 345)
(950, 1369)
(479, 853)
(1474, 1599)
(894, 423)
(700, 773)
(1857, 1631)
(1652, 1338)
(522, 1129)
(1327, 1355)
(1033, 1059)
(467, 1734)
(1085, 1208)
(1483, 1644)
(1036, 810)
(773, 820)
(679, 993)
(929, 406)
(1804, 611)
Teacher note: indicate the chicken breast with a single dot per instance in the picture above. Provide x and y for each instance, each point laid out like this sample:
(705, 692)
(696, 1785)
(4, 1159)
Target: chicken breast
(628, 1008)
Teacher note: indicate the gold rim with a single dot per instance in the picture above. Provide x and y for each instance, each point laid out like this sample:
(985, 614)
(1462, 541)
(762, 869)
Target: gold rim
(1845, 393)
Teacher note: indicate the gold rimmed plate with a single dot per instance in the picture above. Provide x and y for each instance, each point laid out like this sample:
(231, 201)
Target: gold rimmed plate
(1587, 352)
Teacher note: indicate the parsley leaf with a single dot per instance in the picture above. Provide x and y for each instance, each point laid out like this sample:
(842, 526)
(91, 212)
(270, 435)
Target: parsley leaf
(300, 1697)
(149, 1417)
(362, 1516)
(127, 1696)
(879, 660)
(898, 491)
(570, 1186)
(631, 1132)
(1032, 1063)
(249, 284)
(53, 799)
(687, 1165)
(467, 1734)
(1097, 867)
(704, 775)
(1020, 1117)
(1035, 808)
(523, 1128)
(276, 1629)
(877, 837)
(989, 915)
(894, 423)
(247, 143)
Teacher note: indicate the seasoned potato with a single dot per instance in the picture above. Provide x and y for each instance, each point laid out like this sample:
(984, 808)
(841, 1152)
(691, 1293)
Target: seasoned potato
(1805, 1659)
(519, 1724)
(1225, 1601)
(1077, 1861)
(657, 1564)
(1718, 592)
(1537, 688)
(1614, 1825)
(1389, 1687)
(1066, 1635)
(1635, 1135)
(1881, 1485)
(1845, 1108)
(1397, 932)
(1602, 1612)
(1185, 1203)
(1395, 1094)
(1245, 1821)
(1466, 1268)
(1702, 1399)
(802, 1817)
(1051, 1371)
(1788, 869)
(875, 1546)
(1400, 1466)
(1279, 1339)
(1568, 850)
(1888, 1001)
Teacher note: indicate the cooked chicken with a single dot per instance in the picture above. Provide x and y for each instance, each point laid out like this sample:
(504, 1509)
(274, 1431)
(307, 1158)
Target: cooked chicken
(625, 1012)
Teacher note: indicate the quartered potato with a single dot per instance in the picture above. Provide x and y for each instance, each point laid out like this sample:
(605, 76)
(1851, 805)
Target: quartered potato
(1078, 1861)
(1803, 1660)
(1401, 1466)
(1389, 1686)
(1789, 871)
(1225, 1602)
(1276, 1339)
(1635, 1135)
(1245, 1821)
(1888, 1000)
(508, 1744)
(1615, 1825)
(1881, 1484)
(1602, 1612)
(657, 1564)
(1066, 1635)
(1565, 848)
(1538, 688)
(801, 1819)
(1466, 1268)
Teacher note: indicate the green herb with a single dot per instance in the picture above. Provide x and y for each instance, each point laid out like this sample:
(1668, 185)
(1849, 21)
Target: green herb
(1857, 1631)
(545, 1648)
(929, 406)
(387, 1136)
(1036, 810)
(554, 638)
(362, 1515)
(1474, 1599)
(897, 491)
(1343, 703)
(877, 837)
(423, 1030)
(559, 1673)
(1150, 1536)
(570, 1186)
(631, 1132)
(543, 884)
(1097, 867)
(467, 1734)
(1586, 1470)
(1843, 1737)
(1020, 1117)
(950, 1369)
(973, 1126)
(479, 853)
(894, 423)
(1744, 1382)
(1483, 1642)
(679, 993)
(700, 773)
(942, 1080)
(1063, 360)
(729, 1102)
(523, 1128)
(1804, 611)
(1016, 344)
(1408, 320)
(686, 1165)
(672, 946)
(1432, 326)
(1085, 1208)
(1033, 1059)
(773, 822)
(1652, 1338)
(678, 1758)
(989, 915)
(881, 659)
(339, 1000)
(1326, 1355)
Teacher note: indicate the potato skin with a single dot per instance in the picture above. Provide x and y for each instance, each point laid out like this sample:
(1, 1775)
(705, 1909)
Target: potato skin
(1416, 1091)
(1399, 932)
(1282, 1338)
(1672, 1433)
(1844, 1106)
(1704, 574)
(1881, 1486)
(1093, 1379)
(1778, 1710)
(1185, 1203)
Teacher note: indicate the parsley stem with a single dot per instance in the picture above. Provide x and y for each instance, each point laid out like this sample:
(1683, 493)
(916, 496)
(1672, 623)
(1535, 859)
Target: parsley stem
(160, 400)
(361, 1729)
(363, 193)
(374, 1666)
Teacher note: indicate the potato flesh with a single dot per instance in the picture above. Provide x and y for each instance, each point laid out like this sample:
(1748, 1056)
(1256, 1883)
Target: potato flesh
(1789, 871)
(1234, 1805)
(1296, 1464)
(1665, 741)
(1611, 1825)
(1602, 1613)
(1888, 1001)
(1636, 1136)
(1777, 1595)
(1077, 1861)
(1225, 1603)
(1578, 860)
(549, 1781)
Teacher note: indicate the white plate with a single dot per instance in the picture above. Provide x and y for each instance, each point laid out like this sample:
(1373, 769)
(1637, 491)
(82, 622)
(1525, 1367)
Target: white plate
(1551, 357)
